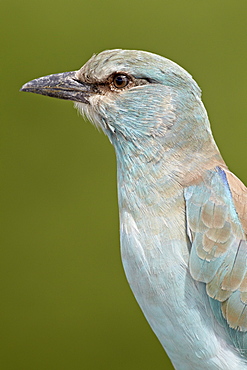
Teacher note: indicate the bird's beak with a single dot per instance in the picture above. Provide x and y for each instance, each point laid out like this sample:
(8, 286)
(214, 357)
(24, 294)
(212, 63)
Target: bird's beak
(61, 85)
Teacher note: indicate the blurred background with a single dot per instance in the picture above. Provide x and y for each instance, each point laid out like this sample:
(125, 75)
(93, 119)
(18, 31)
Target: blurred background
(65, 303)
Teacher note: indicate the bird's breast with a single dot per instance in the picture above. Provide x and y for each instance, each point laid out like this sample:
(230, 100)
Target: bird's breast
(154, 244)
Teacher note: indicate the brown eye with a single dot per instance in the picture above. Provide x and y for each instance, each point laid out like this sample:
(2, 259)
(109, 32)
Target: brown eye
(120, 81)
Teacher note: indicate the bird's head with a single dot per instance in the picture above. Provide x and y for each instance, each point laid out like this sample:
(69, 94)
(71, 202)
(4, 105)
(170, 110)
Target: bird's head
(134, 96)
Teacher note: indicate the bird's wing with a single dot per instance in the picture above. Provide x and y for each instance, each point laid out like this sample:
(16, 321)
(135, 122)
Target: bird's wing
(216, 213)
(239, 195)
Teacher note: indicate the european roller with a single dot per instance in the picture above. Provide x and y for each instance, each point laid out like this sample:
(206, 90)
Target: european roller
(183, 214)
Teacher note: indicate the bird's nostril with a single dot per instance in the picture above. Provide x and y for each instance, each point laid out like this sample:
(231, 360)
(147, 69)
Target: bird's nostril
(77, 80)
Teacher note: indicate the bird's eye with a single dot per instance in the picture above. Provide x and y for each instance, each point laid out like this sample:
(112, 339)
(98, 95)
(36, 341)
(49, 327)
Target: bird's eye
(120, 81)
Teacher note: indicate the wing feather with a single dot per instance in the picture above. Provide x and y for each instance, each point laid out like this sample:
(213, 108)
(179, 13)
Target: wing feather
(239, 196)
(217, 223)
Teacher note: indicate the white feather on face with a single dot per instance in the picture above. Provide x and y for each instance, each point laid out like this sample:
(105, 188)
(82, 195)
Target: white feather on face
(92, 111)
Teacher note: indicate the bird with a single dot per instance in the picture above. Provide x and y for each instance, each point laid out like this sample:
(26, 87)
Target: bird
(183, 213)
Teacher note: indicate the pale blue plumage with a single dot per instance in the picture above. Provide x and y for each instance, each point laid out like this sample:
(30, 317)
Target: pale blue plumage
(183, 215)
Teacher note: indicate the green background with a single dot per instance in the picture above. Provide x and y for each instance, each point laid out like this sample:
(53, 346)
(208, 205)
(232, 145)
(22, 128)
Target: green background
(65, 303)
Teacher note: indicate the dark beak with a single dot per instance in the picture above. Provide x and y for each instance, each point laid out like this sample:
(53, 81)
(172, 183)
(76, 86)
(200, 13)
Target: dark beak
(61, 85)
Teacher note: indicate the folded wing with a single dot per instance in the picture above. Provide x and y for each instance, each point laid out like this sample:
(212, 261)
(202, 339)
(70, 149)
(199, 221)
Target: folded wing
(216, 212)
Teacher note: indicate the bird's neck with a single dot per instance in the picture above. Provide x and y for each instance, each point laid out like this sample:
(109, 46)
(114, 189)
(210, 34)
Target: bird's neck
(151, 184)
(147, 166)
